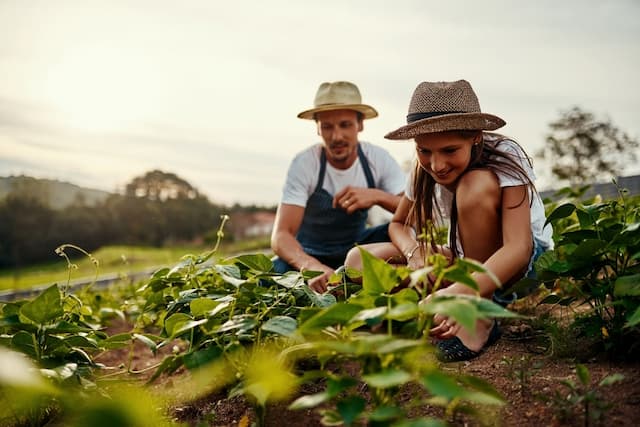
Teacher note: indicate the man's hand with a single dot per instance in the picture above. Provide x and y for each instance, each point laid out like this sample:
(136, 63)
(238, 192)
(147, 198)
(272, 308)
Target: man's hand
(352, 199)
(319, 283)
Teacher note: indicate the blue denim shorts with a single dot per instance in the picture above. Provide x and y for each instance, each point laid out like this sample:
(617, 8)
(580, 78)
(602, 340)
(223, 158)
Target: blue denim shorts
(505, 298)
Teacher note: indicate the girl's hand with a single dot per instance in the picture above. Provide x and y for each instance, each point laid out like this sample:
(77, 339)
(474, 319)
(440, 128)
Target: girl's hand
(445, 327)
(415, 260)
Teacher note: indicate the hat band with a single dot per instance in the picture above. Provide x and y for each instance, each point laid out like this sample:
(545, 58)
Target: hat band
(413, 117)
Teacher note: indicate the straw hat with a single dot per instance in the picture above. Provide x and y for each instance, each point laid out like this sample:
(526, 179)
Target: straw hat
(443, 106)
(338, 96)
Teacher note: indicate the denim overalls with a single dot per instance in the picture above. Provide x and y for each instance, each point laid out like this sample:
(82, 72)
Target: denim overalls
(327, 233)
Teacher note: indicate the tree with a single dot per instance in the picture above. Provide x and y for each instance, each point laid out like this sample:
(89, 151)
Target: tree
(159, 185)
(583, 150)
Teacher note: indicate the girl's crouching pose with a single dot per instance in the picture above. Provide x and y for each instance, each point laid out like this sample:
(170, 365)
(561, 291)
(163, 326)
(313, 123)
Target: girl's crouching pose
(482, 183)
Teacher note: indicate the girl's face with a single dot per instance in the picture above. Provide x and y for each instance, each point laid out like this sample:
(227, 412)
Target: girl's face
(445, 155)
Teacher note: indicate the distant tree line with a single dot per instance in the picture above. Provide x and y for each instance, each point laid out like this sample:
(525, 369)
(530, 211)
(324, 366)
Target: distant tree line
(156, 209)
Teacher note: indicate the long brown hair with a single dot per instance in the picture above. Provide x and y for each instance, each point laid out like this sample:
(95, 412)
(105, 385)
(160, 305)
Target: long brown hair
(483, 156)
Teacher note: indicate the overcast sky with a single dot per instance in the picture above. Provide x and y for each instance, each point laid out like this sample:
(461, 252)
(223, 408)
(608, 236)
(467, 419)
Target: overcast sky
(98, 92)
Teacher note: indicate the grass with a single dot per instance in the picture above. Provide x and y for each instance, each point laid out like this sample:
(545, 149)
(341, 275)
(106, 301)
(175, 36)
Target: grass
(122, 260)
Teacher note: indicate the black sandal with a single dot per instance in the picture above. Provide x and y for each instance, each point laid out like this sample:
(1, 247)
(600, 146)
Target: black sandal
(452, 350)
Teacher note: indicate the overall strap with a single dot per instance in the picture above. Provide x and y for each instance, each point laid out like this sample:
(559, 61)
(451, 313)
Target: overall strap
(323, 168)
(365, 167)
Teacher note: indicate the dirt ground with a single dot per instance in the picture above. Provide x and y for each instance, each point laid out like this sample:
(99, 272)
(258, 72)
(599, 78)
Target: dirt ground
(516, 352)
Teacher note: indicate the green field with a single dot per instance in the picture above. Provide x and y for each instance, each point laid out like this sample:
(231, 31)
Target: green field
(123, 260)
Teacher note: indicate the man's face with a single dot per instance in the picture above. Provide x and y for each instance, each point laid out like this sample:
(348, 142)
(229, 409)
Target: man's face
(339, 131)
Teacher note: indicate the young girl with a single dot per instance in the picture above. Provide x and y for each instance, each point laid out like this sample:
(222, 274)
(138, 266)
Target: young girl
(482, 183)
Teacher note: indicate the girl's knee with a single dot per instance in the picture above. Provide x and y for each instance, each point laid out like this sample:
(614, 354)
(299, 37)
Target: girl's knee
(353, 259)
(478, 189)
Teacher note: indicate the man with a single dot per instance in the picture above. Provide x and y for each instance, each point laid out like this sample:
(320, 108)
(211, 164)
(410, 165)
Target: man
(331, 185)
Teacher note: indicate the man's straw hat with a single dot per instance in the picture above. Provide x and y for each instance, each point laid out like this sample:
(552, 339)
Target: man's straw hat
(338, 96)
(443, 106)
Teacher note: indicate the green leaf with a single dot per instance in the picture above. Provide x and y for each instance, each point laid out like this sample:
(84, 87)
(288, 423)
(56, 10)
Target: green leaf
(241, 323)
(388, 378)
(201, 306)
(461, 309)
(25, 343)
(200, 358)
(146, 341)
(588, 249)
(579, 235)
(282, 325)
(369, 314)
(634, 319)
(350, 408)
(230, 274)
(319, 300)
(460, 275)
(627, 286)
(488, 308)
(289, 280)
(385, 413)
(80, 341)
(583, 374)
(117, 341)
(611, 379)
(442, 385)
(561, 211)
(309, 401)
(336, 385)
(337, 314)
(182, 327)
(405, 296)
(256, 262)
(470, 265)
(404, 311)
(378, 277)
(66, 327)
(171, 322)
(395, 345)
(46, 307)
(585, 218)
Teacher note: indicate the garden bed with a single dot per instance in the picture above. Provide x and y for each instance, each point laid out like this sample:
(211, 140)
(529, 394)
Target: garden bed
(517, 366)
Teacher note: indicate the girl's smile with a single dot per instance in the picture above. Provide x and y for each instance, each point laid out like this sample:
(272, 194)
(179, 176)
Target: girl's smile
(444, 155)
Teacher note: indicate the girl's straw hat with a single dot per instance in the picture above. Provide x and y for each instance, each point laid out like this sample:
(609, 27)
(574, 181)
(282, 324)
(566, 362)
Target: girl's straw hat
(338, 96)
(443, 106)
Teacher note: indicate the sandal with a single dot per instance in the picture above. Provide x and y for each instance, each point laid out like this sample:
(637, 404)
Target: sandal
(452, 350)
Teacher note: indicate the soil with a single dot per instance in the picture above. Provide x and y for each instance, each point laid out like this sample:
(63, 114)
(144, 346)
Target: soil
(518, 351)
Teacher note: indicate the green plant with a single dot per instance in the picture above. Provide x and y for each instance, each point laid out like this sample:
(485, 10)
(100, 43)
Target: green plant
(521, 370)
(583, 397)
(386, 362)
(596, 263)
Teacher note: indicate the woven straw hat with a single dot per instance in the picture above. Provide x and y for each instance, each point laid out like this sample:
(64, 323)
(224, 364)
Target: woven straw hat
(443, 106)
(338, 96)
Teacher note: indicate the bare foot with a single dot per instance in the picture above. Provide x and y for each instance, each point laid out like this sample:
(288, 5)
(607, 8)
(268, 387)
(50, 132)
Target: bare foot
(475, 340)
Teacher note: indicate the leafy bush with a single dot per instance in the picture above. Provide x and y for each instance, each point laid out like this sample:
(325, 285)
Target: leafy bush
(595, 266)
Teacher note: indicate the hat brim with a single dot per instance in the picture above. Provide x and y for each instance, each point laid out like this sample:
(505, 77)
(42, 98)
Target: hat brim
(367, 111)
(447, 122)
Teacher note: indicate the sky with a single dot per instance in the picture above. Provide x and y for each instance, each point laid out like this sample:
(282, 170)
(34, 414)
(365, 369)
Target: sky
(99, 92)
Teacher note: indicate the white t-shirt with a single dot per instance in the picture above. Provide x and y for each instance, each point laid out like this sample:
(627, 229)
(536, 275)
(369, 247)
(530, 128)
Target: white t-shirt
(302, 177)
(444, 197)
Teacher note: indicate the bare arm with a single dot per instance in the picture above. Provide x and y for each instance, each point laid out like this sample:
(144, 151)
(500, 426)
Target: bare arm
(513, 256)
(284, 244)
(404, 237)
